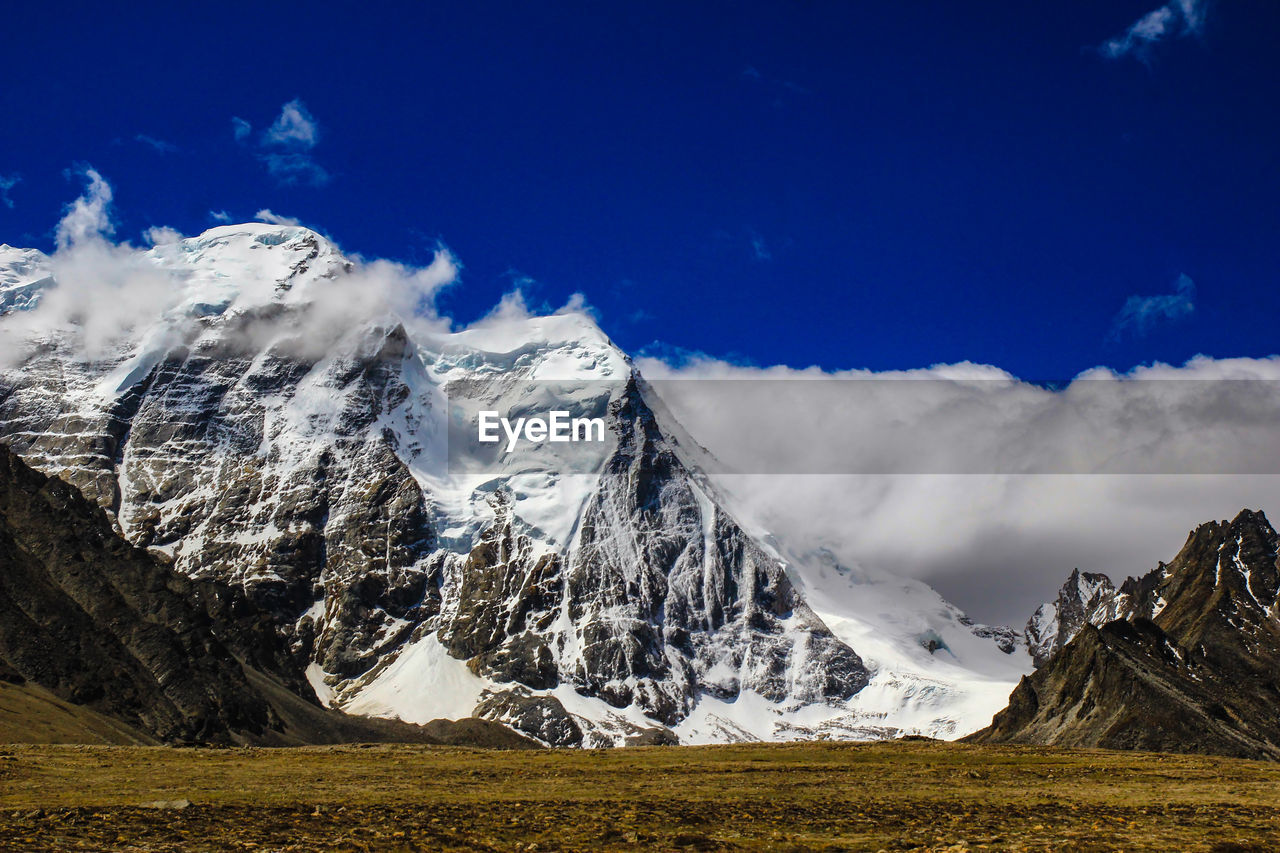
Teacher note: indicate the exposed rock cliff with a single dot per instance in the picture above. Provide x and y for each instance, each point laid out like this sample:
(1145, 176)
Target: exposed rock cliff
(1190, 664)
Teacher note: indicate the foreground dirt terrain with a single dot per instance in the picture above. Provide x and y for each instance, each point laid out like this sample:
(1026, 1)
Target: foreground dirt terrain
(906, 795)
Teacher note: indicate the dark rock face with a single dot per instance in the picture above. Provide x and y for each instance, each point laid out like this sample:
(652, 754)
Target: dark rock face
(100, 623)
(1192, 664)
(176, 459)
(1006, 639)
(689, 593)
(1127, 686)
(662, 593)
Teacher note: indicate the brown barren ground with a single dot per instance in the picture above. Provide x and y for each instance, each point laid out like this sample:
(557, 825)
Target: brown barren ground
(906, 795)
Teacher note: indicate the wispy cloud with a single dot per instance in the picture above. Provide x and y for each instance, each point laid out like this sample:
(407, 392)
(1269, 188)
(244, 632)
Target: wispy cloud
(265, 215)
(105, 291)
(89, 216)
(285, 147)
(220, 216)
(295, 126)
(1175, 18)
(159, 145)
(1141, 313)
(161, 235)
(8, 182)
(759, 248)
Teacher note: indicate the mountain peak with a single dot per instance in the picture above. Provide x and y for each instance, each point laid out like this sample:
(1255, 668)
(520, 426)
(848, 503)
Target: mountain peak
(263, 233)
(1224, 579)
(1254, 519)
(252, 253)
(1085, 598)
(1184, 660)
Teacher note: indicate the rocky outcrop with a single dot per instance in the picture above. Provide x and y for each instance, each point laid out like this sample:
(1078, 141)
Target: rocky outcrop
(1191, 664)
(1006, 639)
(1086, 598)
(102, 624)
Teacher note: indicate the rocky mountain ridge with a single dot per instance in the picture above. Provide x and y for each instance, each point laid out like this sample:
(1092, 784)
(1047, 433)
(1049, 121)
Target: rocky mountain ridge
(1189, 662)
(102, 624)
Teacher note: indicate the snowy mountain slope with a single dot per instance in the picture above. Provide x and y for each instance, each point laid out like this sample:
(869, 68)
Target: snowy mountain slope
(286, 421)
(23, 274)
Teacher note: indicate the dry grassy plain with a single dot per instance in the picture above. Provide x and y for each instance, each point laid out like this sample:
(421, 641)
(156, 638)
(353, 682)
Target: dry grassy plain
(907, 795)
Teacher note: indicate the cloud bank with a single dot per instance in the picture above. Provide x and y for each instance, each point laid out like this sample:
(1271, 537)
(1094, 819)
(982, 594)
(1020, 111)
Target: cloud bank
(958, 483)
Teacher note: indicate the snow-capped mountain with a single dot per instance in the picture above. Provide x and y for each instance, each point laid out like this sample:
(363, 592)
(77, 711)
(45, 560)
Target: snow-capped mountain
(1086, 598)
(283, 419)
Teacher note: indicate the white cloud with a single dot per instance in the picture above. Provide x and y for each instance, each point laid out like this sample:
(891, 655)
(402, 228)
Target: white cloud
(510, 308)
(160, 235)
(1176, 18)
(265, 215)
(220, 216)
(1193, 12)
(89, 216)
(240, 128)
(106, 292)
(989, 488)
(1141, 313)
(294, 127)
(578, 304)
(8, 182)
(103, 289)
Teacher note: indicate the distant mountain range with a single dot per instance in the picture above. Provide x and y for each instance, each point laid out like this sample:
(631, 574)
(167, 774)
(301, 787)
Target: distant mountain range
(250, 516)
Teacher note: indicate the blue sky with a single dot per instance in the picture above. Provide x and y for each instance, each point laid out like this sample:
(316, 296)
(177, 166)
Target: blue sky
(1041, 186)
